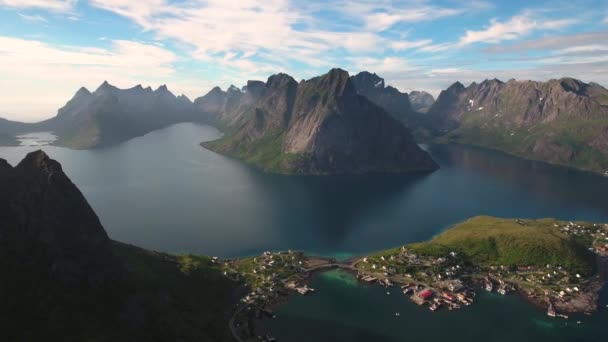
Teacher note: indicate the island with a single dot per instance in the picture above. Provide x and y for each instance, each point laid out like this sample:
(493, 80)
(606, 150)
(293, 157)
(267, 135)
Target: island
(559, 266)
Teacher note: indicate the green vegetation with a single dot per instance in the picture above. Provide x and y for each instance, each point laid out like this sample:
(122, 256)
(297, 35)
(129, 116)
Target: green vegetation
(265, 153)
(568, 139)
(487, 241)
(159, 297)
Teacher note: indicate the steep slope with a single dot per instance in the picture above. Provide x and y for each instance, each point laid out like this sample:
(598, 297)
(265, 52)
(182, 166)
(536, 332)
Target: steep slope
(390, 99)
(65, 280)
(561, 121)
(421, 101)
(109, 116)
(487, 240)
(319, 126)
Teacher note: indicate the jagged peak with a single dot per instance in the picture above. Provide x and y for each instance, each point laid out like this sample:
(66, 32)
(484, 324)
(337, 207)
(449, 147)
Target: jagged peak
(492, 81)
(255, 88)
(38, 161)
(82, 92)
(233, 88)
(105, 86)
(4, 165)
(338, 72)
(456, 86)
(278, 79)
(184, 98)
(162, 88)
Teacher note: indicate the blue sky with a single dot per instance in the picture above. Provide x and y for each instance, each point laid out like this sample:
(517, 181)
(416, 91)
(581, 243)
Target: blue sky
(49, 48)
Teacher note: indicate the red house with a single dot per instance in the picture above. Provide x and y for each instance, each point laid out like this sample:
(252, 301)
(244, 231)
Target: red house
(426, 294)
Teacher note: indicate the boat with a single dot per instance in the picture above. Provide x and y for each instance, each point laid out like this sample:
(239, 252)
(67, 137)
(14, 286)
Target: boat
(435, 306)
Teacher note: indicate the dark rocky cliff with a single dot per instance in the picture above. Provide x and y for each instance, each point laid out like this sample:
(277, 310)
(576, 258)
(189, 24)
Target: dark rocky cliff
(318, 126)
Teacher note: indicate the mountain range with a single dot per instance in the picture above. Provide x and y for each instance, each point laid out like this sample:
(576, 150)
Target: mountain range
(336, 123)
(66, 280)
(108, 116)
(317, 126)
(561, 121)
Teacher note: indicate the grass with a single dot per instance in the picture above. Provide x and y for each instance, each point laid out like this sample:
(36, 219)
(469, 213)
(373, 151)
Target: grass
(265, 153)
(159, 298)
(568, 134)
(494, 241)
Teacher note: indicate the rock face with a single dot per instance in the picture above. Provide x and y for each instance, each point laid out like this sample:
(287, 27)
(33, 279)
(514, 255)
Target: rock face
(318, 126)
(394, 102)
(421, 101)
(47, 221)
(110, 115)
(561, 121)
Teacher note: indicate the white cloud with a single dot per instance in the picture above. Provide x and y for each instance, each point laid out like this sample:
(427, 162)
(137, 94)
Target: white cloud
(515, 28)
(384, 20)
(445, 71)
(33, 18)
(38, 78)
(239, 31)
(50, 5)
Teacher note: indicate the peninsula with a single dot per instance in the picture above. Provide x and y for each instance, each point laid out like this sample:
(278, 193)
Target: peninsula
(559, 266)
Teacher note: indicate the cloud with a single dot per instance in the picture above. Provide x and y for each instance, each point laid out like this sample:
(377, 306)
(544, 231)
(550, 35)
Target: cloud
(299, 32)
(605, 20)
(38, 76)
(384, 20)
(552, 42)
(33, 18)
(515, 28)
(50, 5)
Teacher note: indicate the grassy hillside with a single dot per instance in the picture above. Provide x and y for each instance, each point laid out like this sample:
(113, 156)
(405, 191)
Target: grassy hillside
(494, 241)
(159, 298)
(567, 141)
(265, 153)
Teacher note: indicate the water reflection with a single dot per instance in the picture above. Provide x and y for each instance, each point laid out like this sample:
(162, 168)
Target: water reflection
(163, 191)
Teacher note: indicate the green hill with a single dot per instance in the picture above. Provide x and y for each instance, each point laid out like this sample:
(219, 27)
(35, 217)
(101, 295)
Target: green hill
(487, 240)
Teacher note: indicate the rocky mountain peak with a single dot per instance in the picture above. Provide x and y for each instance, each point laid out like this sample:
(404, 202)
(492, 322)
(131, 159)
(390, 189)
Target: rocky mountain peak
(42, 207)
(337, 82)
(82, 92)
(279, 80)
(105, 87)
(233, 88)
(364, 81)
(421, 100)
(456, 87)
(255, 88)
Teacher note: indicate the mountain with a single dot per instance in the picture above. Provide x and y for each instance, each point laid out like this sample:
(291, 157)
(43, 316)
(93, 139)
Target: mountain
(109, 115)
(562, 121)
(394, 102)
(66, 280)
(421, 101)
(317, 126)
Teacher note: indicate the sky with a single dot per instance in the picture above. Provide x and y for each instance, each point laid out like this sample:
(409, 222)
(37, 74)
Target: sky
(50, 48)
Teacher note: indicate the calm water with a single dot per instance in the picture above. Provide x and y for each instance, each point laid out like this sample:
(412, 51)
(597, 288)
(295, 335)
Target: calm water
(164, 192)
(343, 310)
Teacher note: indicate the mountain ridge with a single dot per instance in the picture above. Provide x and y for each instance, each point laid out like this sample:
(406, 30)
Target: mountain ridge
(561, 121)
(317, 126)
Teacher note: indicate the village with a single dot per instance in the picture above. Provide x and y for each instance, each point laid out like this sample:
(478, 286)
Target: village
(437, 282)
(449, 281)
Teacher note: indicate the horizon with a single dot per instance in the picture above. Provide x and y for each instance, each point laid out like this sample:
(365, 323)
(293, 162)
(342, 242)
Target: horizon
(51, 48)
